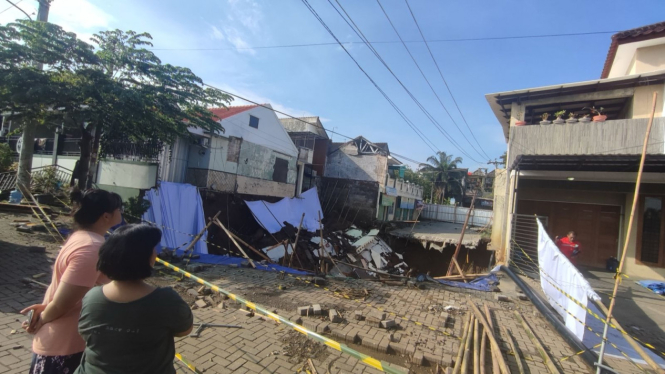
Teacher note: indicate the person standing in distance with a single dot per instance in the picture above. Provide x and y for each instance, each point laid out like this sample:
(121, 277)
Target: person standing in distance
(569, 246)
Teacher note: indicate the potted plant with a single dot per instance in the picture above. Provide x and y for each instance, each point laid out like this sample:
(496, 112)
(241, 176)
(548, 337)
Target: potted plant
(599, 116)
(544, 118)
(520, 123)
(559, 120)
(571, 117)
(586, 118)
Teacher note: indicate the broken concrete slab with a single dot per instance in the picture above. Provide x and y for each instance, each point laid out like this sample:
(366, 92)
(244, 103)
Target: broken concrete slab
(386, 324)
(201, 304)
(316, 309)
(304, 310)
(358, 315)
(192, 292)
(334, 316)
(504, 298)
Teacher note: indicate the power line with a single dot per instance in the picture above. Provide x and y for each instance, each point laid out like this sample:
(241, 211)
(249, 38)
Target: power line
(406, 119)
(425, 77)
(17, 7)
(444, 79)
(452, 40)
(10, 7)
(360, 34)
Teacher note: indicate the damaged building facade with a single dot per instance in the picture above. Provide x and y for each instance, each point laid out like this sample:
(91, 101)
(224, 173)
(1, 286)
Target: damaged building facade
(358, 184)
(311, 139)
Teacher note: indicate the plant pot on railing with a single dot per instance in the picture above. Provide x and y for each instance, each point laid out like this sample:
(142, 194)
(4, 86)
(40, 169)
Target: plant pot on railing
(599, 118)
(585, 119)
(559, 117)
(520, 123)
(544, 118)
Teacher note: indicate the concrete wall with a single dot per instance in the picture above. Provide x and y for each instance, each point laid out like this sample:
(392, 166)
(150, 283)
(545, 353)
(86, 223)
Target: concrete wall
(643, 99)
(256, 161)
(610, 137)
(67, 162)
(631, 267)
(173, 161)
(124, 192)
(350, 200)
(499, 210)
(262, 187)
(346, 163)
(648, 59)
(130, 174)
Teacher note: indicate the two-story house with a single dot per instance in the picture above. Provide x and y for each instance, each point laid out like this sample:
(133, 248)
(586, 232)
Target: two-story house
(357, 176)
(254, 155)
(580, 175)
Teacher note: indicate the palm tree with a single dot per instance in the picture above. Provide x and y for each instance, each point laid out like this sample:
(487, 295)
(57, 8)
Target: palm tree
(444, 174)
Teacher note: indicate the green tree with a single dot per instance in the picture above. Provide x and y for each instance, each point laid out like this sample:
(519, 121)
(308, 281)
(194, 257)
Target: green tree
(442, 170)
(121, 92)
(33, 96)
(418, 178)
(503, 158)
(5, 157)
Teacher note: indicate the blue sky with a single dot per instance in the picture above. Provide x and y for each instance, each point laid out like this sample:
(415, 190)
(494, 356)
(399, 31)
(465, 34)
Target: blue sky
(324, 81)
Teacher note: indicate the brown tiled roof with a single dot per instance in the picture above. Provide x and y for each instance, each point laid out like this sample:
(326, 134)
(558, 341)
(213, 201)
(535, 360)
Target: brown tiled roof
(655, 30)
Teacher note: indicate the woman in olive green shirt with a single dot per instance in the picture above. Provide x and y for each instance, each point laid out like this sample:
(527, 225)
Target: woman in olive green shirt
(129, 325)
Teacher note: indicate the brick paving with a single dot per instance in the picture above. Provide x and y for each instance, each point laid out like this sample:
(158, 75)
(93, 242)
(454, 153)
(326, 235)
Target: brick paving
(260, 345)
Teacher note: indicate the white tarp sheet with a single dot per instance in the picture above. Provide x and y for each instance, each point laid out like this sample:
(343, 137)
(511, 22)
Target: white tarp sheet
(556, 269)
(273, 215)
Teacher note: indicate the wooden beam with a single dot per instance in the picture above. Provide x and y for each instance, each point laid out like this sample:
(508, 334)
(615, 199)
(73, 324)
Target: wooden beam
(199, 235)
(495, 362)
(461, 238)
(513, 347)
(228, 233)
(295, 244)
(462, 344)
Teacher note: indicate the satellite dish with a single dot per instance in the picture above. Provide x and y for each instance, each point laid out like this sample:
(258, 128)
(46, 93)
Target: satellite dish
(19, 145)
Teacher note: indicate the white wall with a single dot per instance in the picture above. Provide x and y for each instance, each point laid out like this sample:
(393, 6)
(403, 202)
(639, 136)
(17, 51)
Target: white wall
(127, 174)
(67, 162)
(270, 134)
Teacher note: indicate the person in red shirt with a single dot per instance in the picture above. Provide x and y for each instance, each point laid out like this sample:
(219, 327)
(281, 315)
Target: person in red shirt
(569, 246)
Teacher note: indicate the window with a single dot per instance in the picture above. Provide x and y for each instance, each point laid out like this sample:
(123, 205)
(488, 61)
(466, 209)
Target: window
(281, 170)
(254, 122)
(650, 231)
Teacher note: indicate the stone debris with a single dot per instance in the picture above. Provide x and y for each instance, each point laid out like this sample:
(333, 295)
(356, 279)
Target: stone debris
(316, 309)
(304, 310)
(334, 316)
(201, 304)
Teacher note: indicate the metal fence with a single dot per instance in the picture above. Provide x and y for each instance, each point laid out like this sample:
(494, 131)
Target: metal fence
(63, 175)
(146, 152)
(455, 214)
(523, 242)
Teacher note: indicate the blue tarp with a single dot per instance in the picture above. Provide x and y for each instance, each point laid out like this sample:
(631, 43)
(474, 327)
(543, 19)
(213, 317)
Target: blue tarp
(229, 260)
(485, 283)
(654, 285)
(177, 206)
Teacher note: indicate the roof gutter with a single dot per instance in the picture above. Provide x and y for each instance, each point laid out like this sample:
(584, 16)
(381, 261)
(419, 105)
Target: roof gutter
(589, 357)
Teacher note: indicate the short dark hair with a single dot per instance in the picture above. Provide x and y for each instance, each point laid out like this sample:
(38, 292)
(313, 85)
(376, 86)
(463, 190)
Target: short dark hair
(571, 232)
(126, 254)
(91, 204)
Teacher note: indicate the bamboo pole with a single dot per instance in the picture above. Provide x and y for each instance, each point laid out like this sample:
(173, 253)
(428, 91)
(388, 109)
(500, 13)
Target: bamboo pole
(234, 237)
(476, 347)
(321, 247)
(295, 245)
(459, 244)
(228, 233)
(462, 344)
(495, 361)
(26, 191)
(467, 347)
(490, 334)
(199, 235)
(513, 347)
(483, 350)
(543, 353)
(636, 197)
(637, 347)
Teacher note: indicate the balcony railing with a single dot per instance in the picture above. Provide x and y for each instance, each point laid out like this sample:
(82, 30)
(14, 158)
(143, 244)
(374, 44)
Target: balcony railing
(405, 189)
(129, 151)
(617, 137)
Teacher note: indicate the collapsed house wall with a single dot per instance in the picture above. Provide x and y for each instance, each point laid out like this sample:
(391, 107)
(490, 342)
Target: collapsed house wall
(349, 200)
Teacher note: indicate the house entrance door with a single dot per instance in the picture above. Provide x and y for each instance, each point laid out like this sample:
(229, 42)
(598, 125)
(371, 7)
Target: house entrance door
(596, 226)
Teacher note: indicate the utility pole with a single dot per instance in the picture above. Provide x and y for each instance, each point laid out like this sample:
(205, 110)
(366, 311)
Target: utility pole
(30, 127)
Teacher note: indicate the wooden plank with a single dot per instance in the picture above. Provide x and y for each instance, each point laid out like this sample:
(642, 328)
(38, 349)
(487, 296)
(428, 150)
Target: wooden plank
(462, 344)
(476, 347)
(543, 353)
(495, 362)
(230, 235)
(461, 238)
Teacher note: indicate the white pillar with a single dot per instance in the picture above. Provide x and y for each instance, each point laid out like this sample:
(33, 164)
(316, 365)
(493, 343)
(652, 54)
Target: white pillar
(301, 175)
